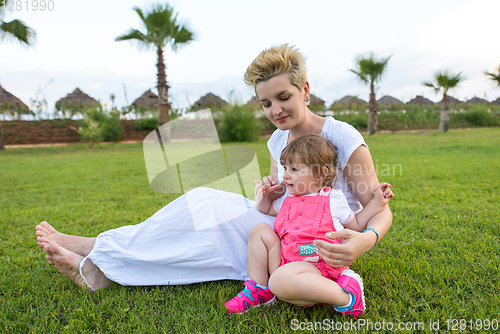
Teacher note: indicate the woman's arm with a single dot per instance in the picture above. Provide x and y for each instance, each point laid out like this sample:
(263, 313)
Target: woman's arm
(361, 176)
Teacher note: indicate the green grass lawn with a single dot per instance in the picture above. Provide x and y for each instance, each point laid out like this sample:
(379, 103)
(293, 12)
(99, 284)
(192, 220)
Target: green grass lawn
(439, 262)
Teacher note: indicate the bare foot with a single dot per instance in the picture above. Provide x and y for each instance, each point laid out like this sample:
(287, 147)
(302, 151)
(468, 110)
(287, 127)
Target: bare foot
(45, 233)
(68, 264)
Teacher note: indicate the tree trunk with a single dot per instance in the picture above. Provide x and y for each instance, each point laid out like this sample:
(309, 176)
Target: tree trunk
(163, 104)
(445, 114)
(372, 111)
(1, 138)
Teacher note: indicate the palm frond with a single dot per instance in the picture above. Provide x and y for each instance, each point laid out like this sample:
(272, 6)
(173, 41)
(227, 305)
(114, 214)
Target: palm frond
(445, 80)
(137, 36)
(361, 76)
(181, 35)
(139, 12)
(161, 28)
(428, 84)
(494, 77)
(18, 30)
(371, 68)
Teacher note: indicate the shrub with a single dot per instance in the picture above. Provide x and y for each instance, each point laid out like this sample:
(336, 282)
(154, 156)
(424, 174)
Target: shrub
(266, 126)
(91, 132)
(146, 124)
(359, 121)
(109, 125)
(112, 129)
(478, 117)
(238, 124)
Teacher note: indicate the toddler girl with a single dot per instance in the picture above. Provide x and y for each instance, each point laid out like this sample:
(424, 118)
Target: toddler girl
(281, 263)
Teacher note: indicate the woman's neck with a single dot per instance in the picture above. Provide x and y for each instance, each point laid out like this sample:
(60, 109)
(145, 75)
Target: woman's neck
(310, 124)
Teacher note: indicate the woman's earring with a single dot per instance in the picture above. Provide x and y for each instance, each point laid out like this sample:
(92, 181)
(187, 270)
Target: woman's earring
(308, 101)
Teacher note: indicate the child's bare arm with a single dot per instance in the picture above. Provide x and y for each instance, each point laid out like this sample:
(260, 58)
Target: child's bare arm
(262, 201)
(381, 197)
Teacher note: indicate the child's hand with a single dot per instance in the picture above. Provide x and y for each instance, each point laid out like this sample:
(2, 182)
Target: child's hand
(383, 194)
(262, 189)
(276, 192)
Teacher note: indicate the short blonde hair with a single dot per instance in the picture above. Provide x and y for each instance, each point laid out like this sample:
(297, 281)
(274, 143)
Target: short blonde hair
(315, 152)
(277, 60)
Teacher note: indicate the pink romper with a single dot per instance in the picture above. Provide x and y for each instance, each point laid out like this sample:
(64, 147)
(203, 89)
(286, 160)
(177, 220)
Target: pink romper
(300, 221)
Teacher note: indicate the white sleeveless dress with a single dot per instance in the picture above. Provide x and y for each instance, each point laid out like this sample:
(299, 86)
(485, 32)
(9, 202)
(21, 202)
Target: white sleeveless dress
(167, 249)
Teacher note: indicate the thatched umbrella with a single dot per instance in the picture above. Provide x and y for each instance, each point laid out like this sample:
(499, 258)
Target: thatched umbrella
(254, 103)
(316, 101)
(452, 100)
(148, 99)
(76, 99)
(388, 100)
(477, 100)
(421, 101)
(209, 101)
(10, 102)
(350, 100)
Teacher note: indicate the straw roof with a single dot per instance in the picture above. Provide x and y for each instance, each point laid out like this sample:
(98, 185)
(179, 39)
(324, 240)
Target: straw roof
(316, 101)
(7, 100)
(388, 100)
(496, 102)
(77, 98)
(452, 100)
(209, 101)
(420, 100)
(147, 99)
(254, 103)
(350, 100)
(477, 100)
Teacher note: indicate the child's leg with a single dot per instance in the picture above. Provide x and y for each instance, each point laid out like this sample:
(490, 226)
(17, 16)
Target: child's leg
(302, 283)
(263, 253)
(263, 258)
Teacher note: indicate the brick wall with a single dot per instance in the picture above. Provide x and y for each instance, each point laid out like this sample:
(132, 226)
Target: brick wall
(55, 131)
(64, 131)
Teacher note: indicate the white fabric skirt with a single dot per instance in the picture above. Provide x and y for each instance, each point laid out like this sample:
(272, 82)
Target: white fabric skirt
(201, 236)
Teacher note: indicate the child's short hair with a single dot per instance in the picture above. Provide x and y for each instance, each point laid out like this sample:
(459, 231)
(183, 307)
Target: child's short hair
(315, 152)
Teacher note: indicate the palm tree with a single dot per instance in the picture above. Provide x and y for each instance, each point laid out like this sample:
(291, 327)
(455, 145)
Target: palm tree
(17, 30)
(161, 28)
(370, 71)
(494, 77)
(445, 81)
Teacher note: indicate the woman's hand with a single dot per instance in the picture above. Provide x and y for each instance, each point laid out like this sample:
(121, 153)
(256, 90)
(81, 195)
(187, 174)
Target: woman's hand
(354, 245)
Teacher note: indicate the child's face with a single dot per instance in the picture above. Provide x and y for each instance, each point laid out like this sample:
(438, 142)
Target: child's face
(300, 179)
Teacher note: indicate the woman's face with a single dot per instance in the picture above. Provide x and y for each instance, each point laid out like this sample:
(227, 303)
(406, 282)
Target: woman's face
(284, 104)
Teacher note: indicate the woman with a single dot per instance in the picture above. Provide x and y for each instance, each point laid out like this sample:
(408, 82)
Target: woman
(167, 249)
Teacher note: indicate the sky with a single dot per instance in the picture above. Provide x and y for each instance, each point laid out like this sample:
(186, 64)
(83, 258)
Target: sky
(75, 47)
